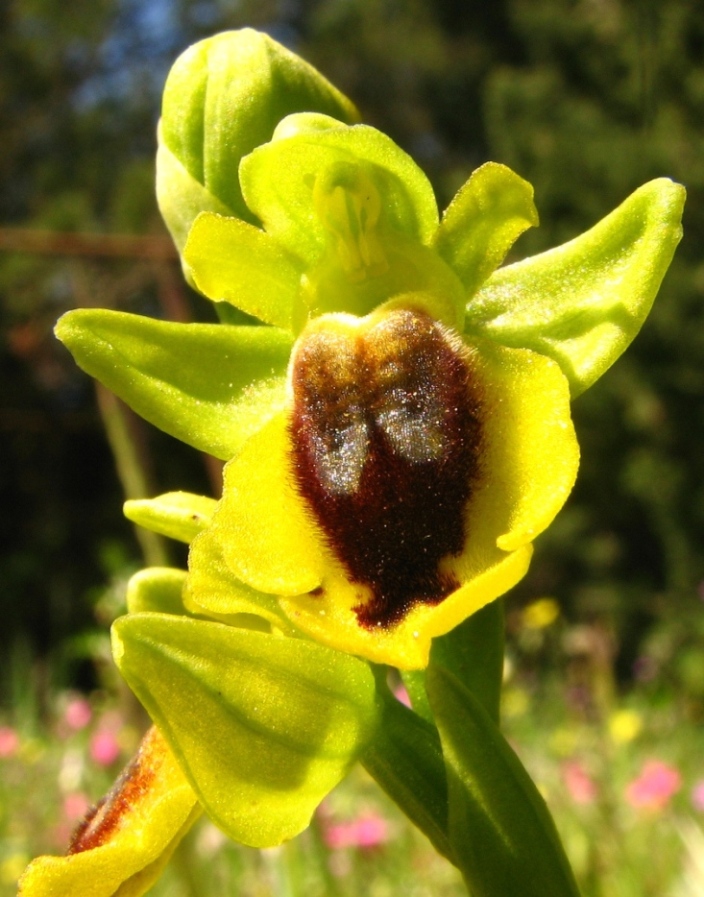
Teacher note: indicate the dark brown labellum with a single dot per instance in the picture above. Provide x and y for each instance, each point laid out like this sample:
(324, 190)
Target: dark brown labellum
(386, 435)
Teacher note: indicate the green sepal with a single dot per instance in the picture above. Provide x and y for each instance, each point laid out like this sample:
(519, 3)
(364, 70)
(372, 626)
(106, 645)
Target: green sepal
(263, 726)
(405, 759)
(223, 97)
(582, 303)
(177, 515)
(232, 261)
(278, 179)
(501, 833)
(212, 589)
(211, 386)
(483, 221)
(156, 589)
(474, 653)
(180, 196)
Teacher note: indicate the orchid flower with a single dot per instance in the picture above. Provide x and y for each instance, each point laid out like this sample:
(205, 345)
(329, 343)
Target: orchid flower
(395, 417)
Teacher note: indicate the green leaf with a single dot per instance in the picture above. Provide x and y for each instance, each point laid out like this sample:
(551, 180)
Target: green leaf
(233, 261)
(223, 97)
(178, 515)
(278, 180)
(157, 589)
(582, 303)
(406, 760)
(474, 653)
(483, 221)
(501, 833)
(263, 726)
(210, 385)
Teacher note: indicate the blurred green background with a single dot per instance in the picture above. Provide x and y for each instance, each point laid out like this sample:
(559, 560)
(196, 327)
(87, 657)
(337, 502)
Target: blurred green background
(587, 99)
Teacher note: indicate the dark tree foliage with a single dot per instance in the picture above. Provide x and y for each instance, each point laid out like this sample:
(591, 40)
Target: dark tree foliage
(587, 99)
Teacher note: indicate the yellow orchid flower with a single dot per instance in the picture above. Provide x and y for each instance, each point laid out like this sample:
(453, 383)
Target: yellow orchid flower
(397, 430)
(400, 490)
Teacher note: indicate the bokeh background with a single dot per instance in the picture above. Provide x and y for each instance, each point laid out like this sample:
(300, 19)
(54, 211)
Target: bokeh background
(587, 99)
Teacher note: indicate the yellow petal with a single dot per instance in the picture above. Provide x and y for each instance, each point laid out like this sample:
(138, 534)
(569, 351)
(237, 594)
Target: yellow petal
(532, 453)
(268, 538)
(211, 588)
(329, 615)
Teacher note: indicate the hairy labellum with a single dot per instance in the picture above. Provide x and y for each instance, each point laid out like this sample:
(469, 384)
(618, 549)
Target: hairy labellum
(386, 434)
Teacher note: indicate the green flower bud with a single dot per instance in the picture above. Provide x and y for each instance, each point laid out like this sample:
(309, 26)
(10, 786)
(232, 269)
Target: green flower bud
(224, 97)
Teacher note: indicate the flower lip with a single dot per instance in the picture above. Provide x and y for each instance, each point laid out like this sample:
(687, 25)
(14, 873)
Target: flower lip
(107, 815)
(387, 438)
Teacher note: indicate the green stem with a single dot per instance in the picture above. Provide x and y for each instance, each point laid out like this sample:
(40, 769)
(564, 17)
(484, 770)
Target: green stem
(131, 468)
(502, 836)
(406, 760)
(474, 653)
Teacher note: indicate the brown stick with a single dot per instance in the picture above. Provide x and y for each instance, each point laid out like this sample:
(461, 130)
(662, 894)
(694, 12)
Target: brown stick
(144, 246)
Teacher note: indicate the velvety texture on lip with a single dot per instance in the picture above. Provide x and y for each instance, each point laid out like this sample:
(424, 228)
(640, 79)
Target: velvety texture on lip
(386, 438)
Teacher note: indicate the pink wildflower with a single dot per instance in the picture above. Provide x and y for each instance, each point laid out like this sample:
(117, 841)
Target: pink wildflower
(654, 786)
(401, 694)
(365, 832)
(104, 747)
(76, 805)
(580, 785)
(9, 741)
(78, 714)
(371, 831)
(698, 796)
